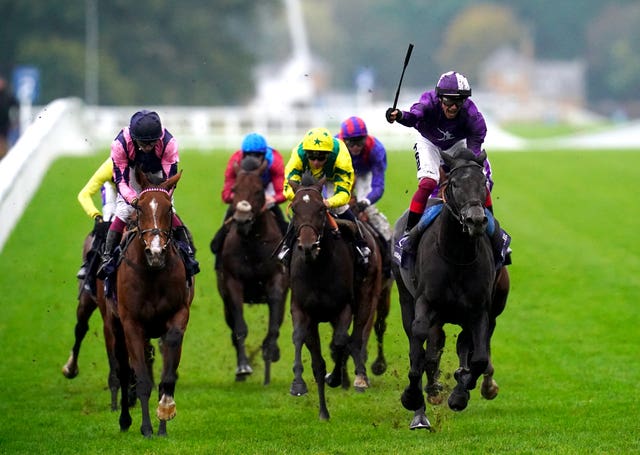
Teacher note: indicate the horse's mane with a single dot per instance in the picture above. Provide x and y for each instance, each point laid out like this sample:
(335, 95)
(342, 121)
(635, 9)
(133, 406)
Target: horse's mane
(249, 163)
(464, 154)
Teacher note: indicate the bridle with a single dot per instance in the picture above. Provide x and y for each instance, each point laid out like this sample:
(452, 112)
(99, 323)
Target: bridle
(450, 202)
(167, 233)
(318, 234)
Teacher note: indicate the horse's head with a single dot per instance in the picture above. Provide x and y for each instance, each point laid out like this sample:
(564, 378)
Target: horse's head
(154, 215)
(248, 192)
(309, 214)
(466, 190)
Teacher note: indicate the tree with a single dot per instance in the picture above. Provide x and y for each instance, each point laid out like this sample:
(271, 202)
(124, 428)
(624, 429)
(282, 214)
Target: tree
(475, 33)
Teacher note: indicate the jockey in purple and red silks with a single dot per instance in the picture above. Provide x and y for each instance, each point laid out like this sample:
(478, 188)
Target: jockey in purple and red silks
(369, 158)
(149, 146)
(447, 120)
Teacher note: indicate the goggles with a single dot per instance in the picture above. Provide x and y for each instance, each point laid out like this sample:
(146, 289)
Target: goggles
(313, 155)
(448, 101)
(146, 143)
(351, 141)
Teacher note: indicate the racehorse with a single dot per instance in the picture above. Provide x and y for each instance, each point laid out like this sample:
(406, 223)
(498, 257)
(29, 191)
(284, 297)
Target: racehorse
(153, 299)
(454, 280)
(248, 271)
(327, 286)
(88, 301)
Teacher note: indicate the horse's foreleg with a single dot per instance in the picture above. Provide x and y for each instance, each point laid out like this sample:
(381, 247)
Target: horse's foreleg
(123, 371)
(233, 312)
(86, 307)
(339, 347)
(171, 354)
(300, 328)
(319, 368)
(379, 366)
(412, 397)
(433, 354)
(136, 348)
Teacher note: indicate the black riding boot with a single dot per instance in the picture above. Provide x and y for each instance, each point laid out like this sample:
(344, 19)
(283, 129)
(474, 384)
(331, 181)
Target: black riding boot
(186, 246)
(403, 250)
(284, 254)
(361, 245)
(107, 267)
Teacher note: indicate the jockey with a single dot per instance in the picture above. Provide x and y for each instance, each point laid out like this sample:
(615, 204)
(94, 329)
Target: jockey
(324, 156)
(254, 145)
(146, 144)
(101, 180)
(447, 120)
(369, 159)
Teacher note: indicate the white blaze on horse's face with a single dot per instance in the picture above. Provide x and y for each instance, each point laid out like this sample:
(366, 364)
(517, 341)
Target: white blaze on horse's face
(306, 198)
(155, 246)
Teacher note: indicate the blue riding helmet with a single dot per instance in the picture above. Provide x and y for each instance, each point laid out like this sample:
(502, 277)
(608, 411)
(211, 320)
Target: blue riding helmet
(145, 126)
(254, 143)
(353, 127)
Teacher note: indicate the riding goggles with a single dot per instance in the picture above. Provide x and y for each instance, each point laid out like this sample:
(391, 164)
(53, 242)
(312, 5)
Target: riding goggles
(352, 141)
(313, 155)
(447, 101)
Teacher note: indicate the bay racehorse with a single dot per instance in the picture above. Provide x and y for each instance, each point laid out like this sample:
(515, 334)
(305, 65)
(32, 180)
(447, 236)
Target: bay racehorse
(454, 280)
(249, 272)
(327, 285)
(153, 301)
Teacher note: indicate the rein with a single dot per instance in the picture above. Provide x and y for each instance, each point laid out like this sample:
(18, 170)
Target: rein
(154, 231)
(450, 202)
(311, 226)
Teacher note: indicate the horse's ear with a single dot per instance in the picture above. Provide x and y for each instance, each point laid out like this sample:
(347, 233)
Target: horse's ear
(448, 159)
(321, 182)
(263, 166)
(482, 157)
(236, 167)
(141, 178)
(171, 182)
(294, 185)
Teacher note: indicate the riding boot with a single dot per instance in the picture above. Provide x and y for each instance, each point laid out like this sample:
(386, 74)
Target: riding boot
(362, 248)
(185, 245)
(403, 250)
(284, 254)
(107, 267)
(500, 242)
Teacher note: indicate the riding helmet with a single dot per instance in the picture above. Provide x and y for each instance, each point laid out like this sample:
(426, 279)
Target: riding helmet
(254, 143)
(319, 139)
(145, 126)
(453, 85)
(353, 127)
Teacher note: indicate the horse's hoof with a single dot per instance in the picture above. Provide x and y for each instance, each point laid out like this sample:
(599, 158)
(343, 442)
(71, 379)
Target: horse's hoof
(298, 389)
(420, 422)
(411, 399)
(166, 408)
(332, 380)
(361, 383)
(379, 367)
(489, 389)
(69, 373)
(242, 372)
(458, 400)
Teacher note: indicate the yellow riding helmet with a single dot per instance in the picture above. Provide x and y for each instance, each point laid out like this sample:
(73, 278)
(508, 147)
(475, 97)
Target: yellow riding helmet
(319, 139)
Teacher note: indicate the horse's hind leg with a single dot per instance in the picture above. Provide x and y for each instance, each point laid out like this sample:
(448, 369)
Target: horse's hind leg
(86, 307)
(319, 368)
(239, 331)
(270, 348)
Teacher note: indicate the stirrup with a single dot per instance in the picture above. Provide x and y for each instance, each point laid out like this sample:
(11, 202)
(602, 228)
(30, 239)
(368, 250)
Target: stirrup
(284, 252)
(364, 252)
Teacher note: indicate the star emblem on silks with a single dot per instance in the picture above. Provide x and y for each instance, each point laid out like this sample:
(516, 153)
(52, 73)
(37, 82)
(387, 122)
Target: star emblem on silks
(317, 141)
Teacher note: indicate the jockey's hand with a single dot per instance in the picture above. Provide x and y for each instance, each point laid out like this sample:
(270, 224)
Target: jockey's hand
(269, 201)
(327, 204)
(134, 202)
(97, 221)
(362, 204)
(392, 115)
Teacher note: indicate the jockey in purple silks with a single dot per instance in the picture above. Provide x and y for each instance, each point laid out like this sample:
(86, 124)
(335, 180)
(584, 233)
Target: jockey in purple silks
(369, 158)
(447, 120)
(149, 146)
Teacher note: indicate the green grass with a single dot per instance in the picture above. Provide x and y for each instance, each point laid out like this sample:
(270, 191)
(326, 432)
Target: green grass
(539, 130)
(565, 349)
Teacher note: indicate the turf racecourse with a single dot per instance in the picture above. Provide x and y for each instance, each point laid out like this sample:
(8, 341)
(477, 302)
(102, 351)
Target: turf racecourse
(565, 350)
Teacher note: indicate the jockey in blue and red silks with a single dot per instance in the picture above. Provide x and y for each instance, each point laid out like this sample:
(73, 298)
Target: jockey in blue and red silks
(152, 148)
(447, 120)
(369, 159)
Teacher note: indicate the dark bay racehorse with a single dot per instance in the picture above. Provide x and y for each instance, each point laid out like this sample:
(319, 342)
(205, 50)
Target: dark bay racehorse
(153, 301)
(249, 272)
(327, 286)
(88, 301)
(454, 280)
